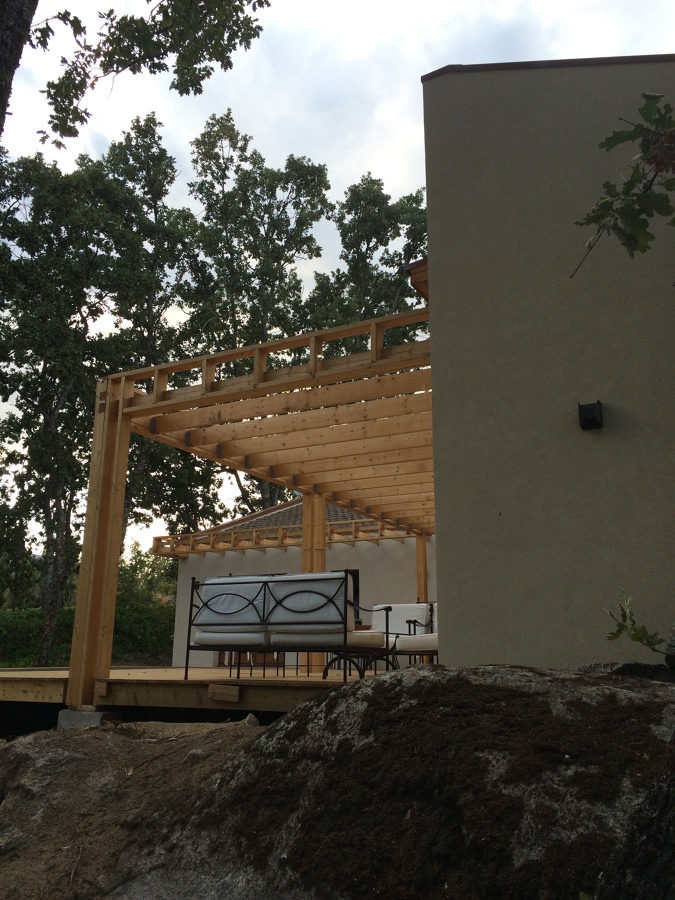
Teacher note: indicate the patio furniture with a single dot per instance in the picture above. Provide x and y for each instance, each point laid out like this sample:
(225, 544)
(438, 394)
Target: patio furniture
(422, 641)
(400, 620)
(273, 614)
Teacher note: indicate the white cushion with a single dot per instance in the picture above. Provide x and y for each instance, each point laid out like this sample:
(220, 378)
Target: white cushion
(229, 638)
(304, 639)
(232, 605)
(398, 617)
(310, 602)
(418, 643)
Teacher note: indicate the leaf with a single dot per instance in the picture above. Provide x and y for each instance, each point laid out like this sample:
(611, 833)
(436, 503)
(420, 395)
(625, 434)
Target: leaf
(655, 202)
(622, 137)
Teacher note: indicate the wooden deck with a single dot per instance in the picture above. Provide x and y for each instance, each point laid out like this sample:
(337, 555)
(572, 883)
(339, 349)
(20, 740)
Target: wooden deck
(205, 689)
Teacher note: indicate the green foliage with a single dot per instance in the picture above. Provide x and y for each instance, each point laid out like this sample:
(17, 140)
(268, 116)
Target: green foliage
(628, 627)
(379, 238)
(21, 636)
(626, 210)
(144, 578)
(19, 569)
(61, 240)
(241, 284)
(141, 630)
(180, 36)
(144, 617)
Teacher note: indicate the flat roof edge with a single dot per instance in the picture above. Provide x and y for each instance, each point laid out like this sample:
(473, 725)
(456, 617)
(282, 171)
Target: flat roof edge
(550, 64)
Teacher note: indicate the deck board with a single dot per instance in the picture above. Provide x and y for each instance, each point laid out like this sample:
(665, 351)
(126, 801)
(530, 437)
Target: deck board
(166, 687)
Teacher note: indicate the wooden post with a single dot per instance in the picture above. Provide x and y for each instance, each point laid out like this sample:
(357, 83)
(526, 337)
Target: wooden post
(422, 580)
(91, 650)
(314, 549)
(319, 539)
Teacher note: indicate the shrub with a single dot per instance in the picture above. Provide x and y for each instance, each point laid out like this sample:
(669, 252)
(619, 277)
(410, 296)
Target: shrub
(141, 629)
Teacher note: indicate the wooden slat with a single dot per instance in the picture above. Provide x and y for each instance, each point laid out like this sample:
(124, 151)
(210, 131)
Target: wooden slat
(366, 411)
(294, 401)
(357, 366)
(360, 476)
(357, 431)
(359, 460)
(377, 445)
(338, 332)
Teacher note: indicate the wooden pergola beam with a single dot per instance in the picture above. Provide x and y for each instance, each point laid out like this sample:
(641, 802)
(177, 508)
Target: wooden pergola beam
(362, 411)
(263, 380)
(337, 480)
(291, 402)
(388, 456)
(377, 445)
(337, 434)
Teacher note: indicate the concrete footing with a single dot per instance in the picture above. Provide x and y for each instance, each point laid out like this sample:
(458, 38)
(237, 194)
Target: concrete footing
(79, 718)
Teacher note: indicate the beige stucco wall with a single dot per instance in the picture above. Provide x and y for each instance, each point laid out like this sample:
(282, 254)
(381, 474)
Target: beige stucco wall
(388, 574)
(540, 525)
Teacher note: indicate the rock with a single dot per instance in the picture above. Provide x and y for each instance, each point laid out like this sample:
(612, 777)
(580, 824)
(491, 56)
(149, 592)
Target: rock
(428, 783)
(492, 782)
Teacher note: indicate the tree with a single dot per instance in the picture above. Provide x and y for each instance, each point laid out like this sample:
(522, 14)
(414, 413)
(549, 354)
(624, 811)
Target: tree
(379, 238)
(61, 239)
(19, 569)
(162, 481)
(144, 578)
(15, 21)
(626, 211)
(256, 224)
(182, 36)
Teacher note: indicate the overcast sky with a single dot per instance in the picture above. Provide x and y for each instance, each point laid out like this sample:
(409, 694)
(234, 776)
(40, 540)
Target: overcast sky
(338, 80)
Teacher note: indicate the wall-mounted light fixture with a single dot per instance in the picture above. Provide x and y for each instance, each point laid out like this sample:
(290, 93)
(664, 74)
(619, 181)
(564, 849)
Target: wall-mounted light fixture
(590, 415)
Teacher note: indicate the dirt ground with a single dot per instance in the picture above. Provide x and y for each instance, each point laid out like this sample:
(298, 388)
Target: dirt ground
(74, 805)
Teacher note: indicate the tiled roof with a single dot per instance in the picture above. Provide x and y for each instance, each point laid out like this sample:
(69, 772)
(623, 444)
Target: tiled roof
(286, 515)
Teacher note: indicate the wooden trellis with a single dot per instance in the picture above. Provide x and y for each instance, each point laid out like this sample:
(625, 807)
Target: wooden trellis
(352, 428)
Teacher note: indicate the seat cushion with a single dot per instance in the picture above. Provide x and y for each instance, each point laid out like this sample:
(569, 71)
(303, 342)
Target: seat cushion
(305, 639)
(418, 643)
(212, 638)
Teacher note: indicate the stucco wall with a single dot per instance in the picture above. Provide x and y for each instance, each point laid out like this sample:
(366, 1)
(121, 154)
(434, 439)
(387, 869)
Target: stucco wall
(387, 570)
(540, 525)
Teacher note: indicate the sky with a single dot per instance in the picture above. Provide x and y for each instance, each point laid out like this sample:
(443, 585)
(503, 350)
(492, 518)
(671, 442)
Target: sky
(337, 81)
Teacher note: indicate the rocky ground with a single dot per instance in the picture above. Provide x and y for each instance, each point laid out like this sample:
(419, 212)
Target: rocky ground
(493, 782)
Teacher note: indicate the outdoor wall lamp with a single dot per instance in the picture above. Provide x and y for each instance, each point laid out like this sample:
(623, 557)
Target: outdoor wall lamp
(590, 415)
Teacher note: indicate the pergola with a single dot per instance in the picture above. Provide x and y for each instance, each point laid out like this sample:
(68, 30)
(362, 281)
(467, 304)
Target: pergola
(354, 428)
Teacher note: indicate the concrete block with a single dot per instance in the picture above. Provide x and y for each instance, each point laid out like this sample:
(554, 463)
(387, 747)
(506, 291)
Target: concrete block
(79, 718)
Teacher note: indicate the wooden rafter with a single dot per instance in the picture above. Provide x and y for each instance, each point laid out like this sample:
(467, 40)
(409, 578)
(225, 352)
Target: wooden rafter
(279, 537)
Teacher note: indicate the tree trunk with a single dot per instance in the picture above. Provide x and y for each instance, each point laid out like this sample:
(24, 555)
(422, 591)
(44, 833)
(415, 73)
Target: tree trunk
(15, 21)
(58, 566)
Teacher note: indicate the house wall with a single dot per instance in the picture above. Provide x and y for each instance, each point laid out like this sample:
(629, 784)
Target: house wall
(541, 525)
(388, 574)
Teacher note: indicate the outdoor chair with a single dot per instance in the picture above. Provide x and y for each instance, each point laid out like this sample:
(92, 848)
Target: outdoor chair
(421, 641)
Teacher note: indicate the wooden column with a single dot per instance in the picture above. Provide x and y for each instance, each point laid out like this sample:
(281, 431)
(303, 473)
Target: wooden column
(422, 578)
(91, 650)
(313, 533)
(314, 550)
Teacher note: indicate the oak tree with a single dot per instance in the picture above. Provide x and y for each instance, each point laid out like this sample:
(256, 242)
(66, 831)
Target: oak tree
(184, 37)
